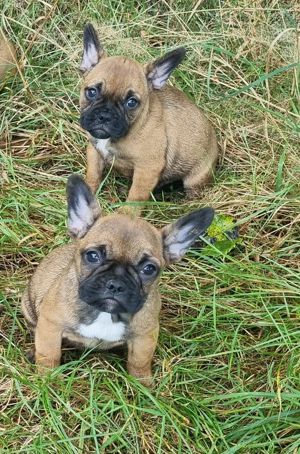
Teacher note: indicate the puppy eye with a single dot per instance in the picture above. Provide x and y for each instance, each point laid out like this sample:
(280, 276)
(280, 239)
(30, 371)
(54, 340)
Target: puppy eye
(149, 269)
(93, 256)
(91, 93)
(131, 103)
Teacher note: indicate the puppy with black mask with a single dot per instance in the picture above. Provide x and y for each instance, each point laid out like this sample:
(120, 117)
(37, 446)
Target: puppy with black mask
(149, 130)
(101, 290)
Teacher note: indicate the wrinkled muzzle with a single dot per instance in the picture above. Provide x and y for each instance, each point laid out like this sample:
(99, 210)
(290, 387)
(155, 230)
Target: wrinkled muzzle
(104, 121)
(113, 291)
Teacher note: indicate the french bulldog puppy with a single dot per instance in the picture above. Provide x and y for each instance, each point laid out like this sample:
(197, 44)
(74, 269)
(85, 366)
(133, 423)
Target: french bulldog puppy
(101, 290)
(149, 130)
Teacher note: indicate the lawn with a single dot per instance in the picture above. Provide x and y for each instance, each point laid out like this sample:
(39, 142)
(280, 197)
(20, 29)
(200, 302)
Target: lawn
(228, 361)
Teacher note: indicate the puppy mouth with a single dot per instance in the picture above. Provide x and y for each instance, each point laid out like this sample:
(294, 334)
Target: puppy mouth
(98, 133)
(105, 133)
(101, 127)
(113, 305)
(109, 305)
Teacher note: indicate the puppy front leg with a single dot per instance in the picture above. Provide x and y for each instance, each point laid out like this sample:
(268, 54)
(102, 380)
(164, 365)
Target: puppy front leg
(140, 354)
(48, 338)
(143, 183)
(95, 166)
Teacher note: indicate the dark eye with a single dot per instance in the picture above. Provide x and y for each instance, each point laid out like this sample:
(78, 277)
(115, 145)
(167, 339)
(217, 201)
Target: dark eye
(149, 269)
(93, 256)
(131, 103)
(91, 93)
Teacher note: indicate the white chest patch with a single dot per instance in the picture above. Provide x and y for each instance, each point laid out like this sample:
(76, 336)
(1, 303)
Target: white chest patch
(103, 328)
(105, 148)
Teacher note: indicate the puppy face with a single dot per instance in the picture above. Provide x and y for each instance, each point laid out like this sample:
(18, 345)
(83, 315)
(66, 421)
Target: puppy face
(112, 97)
(118, 258)
(115, 90)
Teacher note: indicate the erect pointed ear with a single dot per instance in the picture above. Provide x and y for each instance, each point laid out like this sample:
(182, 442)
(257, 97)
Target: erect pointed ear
(92, 49)
(179, 236)
(159, 71)
(83, 208)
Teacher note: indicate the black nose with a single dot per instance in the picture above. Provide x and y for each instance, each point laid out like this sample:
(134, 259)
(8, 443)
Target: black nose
(115, 286)
(104, 117)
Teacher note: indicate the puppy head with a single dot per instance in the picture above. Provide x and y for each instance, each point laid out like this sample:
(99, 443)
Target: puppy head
(115, 90)
(119, 258)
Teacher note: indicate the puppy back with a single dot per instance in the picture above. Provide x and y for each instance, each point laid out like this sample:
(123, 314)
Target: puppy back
(49, 271)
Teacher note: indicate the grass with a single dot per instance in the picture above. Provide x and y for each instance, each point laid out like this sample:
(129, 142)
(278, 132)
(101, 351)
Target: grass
(227, 364)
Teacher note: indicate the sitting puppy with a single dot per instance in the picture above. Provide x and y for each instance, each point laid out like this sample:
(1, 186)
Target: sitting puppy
(149, 130)
(101, 290)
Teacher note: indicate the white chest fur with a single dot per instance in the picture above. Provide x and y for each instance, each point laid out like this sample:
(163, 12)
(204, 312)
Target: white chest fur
(103, 328)
(106, 149)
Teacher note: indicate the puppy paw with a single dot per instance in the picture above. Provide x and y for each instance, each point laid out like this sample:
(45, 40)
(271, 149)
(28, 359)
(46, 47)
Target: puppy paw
(144, 376)
(146, 381)
(45, 363)
(192, 194)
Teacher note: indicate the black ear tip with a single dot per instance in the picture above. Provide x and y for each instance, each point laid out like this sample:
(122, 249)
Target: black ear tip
(208, 214)
(175, 56)
(90, 35)
(204, 216)
(181, 51)
(76, 183)
(74, 180)
(89, 27)
(179, 54)
(209, 211)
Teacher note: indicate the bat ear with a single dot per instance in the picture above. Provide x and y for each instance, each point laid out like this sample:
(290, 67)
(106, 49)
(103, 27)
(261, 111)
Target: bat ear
(83, 208)
(179, 236)
(92, 49)
(159, 71)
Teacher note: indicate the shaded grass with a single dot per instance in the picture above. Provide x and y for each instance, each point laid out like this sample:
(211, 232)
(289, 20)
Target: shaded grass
(227, 364)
